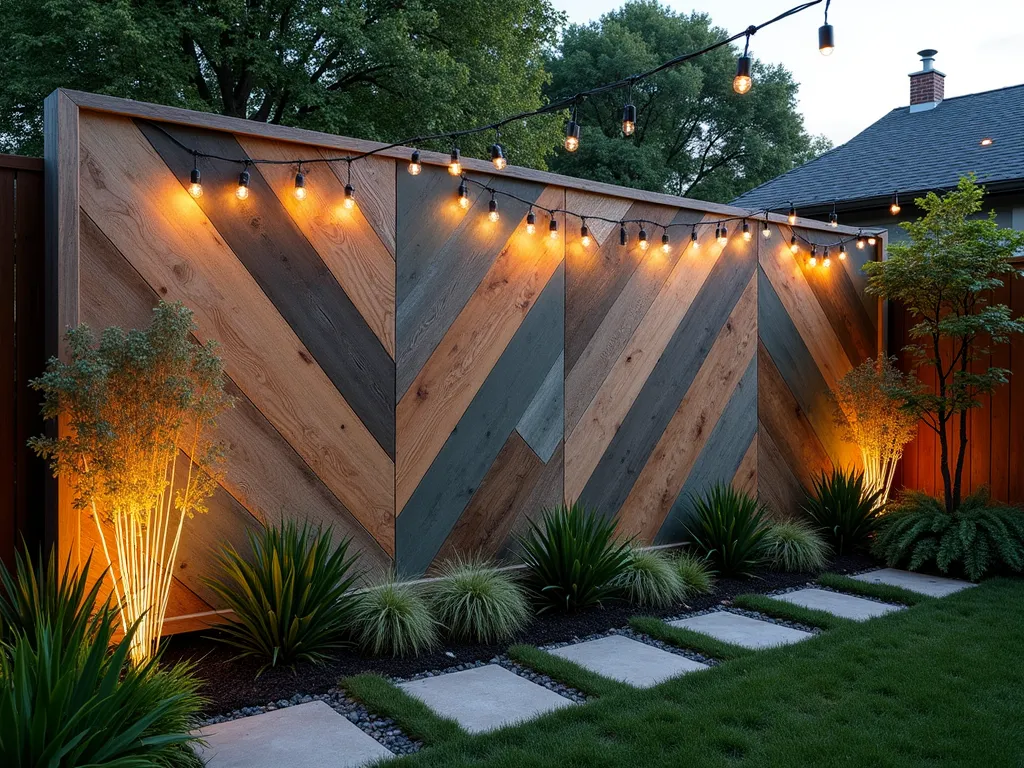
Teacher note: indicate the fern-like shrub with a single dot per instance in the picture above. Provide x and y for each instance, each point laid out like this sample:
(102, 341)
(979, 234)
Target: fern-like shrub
(651, 579)
(793, 545)
(477, 602)
(844, 508)
(694, 571)
(573, 559)
(979, 537)
(291, 599)
(729, 529)
(394, 619)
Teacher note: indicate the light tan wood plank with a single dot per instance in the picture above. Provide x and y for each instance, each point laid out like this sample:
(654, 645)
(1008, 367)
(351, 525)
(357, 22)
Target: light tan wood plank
(345, 239)
(374, 180)
(588, 204)
(778, 487)
(745, 478)
(449, 380)
(150, 218)
(665, 473)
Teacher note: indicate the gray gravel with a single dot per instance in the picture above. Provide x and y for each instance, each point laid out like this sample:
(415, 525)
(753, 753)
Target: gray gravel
(382, 729)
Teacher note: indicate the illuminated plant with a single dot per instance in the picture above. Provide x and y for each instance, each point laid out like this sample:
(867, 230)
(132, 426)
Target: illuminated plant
(875, 417)
(136, 411)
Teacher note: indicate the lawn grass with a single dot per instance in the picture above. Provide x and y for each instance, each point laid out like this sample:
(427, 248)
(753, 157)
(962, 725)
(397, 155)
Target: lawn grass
(687, 638)
(780, 609)
(887, 592)
(383, 697)
(940, 684)
(566, 671)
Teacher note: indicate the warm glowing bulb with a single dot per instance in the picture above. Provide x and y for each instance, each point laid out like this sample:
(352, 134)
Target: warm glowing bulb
(455, 163)
(585, 240)
(842, 253)
(500, 163)
(792, 217)
(553, 234)
(894, 209)
(813, 261)
(860, 243)
(492, 215)
(746, 236)
(827, 262)
(195, 189)
(414, 164)
(665, 245)
(628, 127)
(572, 143)
(572, 136)
(350, 196)
(300, 193)
(463, 195)
(463, 201)
(492, 209)
(242, 192)
(826, 38)
(723, 236)
(766, 231)
(872, 241)
(794, 247)
(741, 84)
(553, 228)
(531, 223)
(300, 186)
(531, 228)
(643, 245)
(628, 120)
(694, 241)
(498, 157)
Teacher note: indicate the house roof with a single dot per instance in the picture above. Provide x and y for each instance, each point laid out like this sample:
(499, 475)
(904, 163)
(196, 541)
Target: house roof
(910, 152)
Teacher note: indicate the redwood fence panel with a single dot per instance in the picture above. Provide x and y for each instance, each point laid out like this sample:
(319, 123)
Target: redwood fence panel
(995, 450)
(22, 474)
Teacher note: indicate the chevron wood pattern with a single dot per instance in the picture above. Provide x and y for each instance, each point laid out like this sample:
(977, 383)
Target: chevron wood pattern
(423, 380)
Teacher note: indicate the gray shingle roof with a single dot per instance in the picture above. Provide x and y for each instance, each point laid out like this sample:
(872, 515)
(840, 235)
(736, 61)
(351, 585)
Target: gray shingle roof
(910, 152)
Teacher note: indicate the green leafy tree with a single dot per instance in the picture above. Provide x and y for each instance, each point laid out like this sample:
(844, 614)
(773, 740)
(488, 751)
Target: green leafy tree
(694, 136)
(376, 70)
(943, 274)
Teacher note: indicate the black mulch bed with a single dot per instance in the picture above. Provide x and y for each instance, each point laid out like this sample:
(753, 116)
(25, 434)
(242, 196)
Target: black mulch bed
(231, 683)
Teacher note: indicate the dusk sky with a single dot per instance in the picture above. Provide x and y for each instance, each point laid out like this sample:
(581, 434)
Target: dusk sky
(980, 48)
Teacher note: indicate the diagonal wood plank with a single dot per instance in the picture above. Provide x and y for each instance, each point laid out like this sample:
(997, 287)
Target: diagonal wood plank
(374, 180)
(663, 476)
(449, 380)
(745, 478)
(347, 242)
(142, 208)
(777, 485)
(605, 206)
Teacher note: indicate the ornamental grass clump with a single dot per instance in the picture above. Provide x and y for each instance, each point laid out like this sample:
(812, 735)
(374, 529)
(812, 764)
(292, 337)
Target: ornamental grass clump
(573, 559)
(69, 695)
(729, 529)
(844, 509)
(695, 573)
(136, 411)
(793, 545)
(477, 602)
(291, 599)
(394, 619)
(977, 538)
(873, 415)
(651, 579)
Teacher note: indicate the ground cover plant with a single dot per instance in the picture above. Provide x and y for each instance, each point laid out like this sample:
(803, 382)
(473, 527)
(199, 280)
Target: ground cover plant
(573, 559)
(696, 574)
(291, 599)
(651, 578)
(730, 529)
(980, 536)
(892, 691)
(394, 618)
(793, 545)
(476, 602)
(842, 506)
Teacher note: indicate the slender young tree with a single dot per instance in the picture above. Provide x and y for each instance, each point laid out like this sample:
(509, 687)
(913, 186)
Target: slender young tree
(944, 275)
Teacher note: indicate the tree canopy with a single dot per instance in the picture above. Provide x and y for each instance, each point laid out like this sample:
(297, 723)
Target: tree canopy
(694, 136)
(375, 69)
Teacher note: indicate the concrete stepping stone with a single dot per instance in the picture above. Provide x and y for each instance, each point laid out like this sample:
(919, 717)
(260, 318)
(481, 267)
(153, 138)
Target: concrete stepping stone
(922, 583)
(484, 698)
(311, 735)
(839, 603)
(741, 630)
(628, 661)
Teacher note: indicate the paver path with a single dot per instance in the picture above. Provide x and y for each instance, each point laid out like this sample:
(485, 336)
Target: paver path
(742, 630)
(628, 661)
(839, 603)
(933, 586)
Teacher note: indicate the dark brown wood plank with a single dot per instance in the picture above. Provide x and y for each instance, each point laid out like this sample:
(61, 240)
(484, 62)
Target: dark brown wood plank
(21, 163)
(999, 443)
(8, 352)
(291, 273)
(1015, 458)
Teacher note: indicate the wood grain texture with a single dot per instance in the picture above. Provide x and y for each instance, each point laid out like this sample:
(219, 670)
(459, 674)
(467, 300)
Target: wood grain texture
(8, 358)
(291, 273)
(374, 181)
(264, 474)
(446, 252)
(141, 207)
(745, 479)
(450, 379)
(347, 241)
(542, 423)
(778, 487)
(473, 444)
(666, 471)
(720, 458)
(614, 207)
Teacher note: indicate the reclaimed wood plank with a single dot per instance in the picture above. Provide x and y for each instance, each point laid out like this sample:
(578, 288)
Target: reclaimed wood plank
(9, 449)
(263, 237)
(140, 205)
(374, 179)
(746, 478)
(1015, 417)
(777, 486)
(542, 423)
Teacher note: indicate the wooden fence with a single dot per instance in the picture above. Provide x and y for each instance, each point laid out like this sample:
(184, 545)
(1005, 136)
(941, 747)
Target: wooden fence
(995, 442)
(21, 350)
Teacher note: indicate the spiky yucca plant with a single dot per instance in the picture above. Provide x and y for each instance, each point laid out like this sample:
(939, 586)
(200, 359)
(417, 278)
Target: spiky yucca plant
(651, 579)
(730, 527)
(477, 602)
(793, 545)
(291, 600)
(573, 558)
(394, 619)
(918, 532)
(695, 573)
(844, 508)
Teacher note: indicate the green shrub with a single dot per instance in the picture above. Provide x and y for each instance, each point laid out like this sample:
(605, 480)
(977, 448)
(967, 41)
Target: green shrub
(918, 532)
(69, 695)
(730, 529)
(844, 509)
(695, 573)
(292, 600)
(475, 601)
(651, 579)
(793, 545)
(393, 619)
(572, 559)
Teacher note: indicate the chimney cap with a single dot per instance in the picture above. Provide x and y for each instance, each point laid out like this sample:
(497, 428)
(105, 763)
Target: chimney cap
(927, 53)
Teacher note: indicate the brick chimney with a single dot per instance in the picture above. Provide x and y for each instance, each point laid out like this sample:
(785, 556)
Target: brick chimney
(928, 85)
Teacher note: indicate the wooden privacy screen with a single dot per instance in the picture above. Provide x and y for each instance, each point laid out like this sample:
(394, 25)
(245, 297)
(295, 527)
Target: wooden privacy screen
(425, 380)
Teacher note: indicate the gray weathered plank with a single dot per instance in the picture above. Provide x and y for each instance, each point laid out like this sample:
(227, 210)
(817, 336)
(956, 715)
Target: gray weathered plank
(474, 444)
(542, 424)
